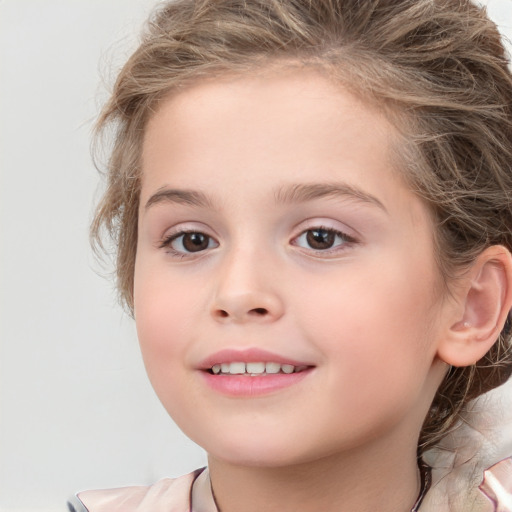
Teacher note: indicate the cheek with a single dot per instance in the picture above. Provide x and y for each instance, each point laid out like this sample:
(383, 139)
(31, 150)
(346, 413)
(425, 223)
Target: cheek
(378, 303)
(163, 327)
(374, 328)
(162, 315)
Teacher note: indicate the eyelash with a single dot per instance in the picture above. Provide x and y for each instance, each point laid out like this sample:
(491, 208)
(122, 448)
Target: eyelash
(346, 240)
(166, 242)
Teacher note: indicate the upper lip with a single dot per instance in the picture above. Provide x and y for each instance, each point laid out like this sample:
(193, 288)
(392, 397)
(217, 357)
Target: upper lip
(250, 355)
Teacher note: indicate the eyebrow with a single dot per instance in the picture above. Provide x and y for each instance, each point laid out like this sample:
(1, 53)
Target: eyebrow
(307, 192)
(290, 194)
(181, 196)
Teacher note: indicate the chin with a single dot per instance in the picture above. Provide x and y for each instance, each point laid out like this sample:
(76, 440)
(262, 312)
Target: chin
(266, 458)
(251, 449)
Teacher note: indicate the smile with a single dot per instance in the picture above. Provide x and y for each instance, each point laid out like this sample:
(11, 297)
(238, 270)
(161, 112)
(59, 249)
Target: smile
(255, 369)
(252, 372)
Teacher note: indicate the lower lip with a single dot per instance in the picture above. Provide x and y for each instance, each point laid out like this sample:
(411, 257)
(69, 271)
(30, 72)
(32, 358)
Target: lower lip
(247, 386)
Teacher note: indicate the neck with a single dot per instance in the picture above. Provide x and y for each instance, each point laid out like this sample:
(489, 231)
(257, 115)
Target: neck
(384, 480)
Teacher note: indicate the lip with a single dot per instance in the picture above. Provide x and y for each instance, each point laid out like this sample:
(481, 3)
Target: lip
(250, 355)
(245, 386)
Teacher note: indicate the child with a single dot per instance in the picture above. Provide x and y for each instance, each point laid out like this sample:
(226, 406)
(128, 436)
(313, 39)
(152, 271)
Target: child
(311, 202)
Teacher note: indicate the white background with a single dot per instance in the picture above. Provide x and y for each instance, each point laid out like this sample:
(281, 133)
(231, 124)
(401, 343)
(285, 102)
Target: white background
(76, 409)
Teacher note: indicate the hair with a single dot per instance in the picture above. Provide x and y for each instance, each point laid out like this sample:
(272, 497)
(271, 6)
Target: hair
(438, 67)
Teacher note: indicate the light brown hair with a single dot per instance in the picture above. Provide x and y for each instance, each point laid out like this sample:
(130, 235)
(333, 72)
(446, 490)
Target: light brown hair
(437, 66)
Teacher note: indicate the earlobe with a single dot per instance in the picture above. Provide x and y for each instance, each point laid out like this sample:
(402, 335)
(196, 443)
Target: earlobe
(484, 300)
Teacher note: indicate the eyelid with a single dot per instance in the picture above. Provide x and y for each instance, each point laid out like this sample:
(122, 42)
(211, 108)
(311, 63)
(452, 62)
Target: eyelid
(341, 234)
(186, 227)
(329, 225)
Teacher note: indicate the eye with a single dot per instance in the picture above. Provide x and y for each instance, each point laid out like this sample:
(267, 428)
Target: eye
(322, 239)
(189, 242)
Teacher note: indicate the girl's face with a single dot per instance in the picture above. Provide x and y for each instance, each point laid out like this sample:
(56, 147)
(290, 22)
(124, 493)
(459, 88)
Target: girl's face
(275, 235)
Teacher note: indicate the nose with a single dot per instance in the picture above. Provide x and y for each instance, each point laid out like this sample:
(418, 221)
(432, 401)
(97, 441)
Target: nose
(247, 291)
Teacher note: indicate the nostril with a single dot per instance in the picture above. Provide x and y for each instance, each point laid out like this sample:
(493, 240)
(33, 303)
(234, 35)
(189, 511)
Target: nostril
(240, 314)
(258, 311)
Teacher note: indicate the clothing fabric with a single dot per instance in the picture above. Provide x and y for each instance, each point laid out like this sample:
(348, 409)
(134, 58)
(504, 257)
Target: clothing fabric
(493, 493)
(192, 493)
(471, 466)
(188, 493)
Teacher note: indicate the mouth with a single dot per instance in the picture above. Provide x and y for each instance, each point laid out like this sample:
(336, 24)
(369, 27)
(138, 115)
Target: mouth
(252, 372)
(255, 369)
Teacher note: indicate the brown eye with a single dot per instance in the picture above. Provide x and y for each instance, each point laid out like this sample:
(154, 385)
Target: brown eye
(191, 242)
(320, 238)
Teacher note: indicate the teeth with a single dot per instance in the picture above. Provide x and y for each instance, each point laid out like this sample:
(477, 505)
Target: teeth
(254, 369)
(236, 368)
(272, 367)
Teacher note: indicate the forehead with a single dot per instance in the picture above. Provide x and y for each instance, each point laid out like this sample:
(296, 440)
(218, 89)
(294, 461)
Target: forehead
(287, 86)
(268, 128)
(220, 112)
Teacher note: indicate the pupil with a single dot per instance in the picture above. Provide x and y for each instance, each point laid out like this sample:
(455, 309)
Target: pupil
(320, 239)
(194, 242)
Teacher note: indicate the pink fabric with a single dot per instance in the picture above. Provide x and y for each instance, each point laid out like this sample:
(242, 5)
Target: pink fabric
(167, 495)
(497, 485)
(192, 493)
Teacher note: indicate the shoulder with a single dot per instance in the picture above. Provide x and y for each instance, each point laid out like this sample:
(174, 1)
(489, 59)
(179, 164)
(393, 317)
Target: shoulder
(472, 465)
(497, 484)
(475, 491)
(168, 494)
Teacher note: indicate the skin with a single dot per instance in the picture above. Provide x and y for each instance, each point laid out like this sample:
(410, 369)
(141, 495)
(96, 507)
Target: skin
(368, 314)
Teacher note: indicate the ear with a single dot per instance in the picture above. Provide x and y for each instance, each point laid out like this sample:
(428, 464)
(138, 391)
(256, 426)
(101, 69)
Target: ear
(483, 301)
